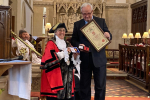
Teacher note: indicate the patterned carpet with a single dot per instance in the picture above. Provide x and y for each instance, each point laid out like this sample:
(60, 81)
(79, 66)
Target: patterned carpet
(121, 88)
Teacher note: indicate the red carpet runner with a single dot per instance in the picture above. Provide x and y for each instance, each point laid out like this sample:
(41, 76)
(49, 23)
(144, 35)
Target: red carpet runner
(37, 94)
(125, 98)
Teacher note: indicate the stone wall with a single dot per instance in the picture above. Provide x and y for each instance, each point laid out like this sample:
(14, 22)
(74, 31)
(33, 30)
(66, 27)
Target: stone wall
(117, 22)
(4, 2)
(22, 12)
(117, 16)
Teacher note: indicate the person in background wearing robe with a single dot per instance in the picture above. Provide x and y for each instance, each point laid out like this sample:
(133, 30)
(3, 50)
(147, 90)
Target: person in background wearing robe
(57, 81)
(31, 39)
(23, 50)
(28, 37)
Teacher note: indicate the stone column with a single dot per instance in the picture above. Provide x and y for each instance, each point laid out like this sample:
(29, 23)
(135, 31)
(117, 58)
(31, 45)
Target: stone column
(129, 15)
(104, 8)
(19, 15)
(129, 18)
(148, 15)
(4, 2)
(54, 17)
(1, 2)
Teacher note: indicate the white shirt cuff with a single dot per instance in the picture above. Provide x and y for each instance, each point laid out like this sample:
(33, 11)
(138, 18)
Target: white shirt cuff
(60, 55)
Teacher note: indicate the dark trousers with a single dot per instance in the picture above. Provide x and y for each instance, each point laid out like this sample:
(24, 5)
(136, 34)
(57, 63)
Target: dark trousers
(77, 95)
(86, 69)
(77, 87)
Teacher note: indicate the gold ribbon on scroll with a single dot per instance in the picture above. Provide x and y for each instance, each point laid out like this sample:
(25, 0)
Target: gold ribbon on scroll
(95, 35)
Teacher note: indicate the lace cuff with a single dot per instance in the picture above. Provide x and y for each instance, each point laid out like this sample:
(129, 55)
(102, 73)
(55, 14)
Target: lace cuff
(61, 55)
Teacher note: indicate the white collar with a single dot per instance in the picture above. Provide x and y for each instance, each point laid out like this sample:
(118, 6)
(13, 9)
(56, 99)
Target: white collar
(61, 44)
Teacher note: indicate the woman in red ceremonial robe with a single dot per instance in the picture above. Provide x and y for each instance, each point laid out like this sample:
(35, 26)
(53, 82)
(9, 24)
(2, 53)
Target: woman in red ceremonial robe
(57, 81)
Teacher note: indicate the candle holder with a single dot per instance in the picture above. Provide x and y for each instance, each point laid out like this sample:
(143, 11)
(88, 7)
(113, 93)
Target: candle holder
(130, 36)
(124, 36)
(47, 28)
(137, 35)
(145, 35)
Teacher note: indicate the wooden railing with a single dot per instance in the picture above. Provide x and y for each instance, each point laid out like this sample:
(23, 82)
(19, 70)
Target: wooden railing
(134, 60)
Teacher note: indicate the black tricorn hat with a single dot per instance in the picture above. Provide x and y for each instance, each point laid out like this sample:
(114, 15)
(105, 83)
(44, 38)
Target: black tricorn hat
(58, 25)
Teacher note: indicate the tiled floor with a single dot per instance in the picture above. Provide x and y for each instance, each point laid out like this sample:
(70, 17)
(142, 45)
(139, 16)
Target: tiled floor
(120, 88)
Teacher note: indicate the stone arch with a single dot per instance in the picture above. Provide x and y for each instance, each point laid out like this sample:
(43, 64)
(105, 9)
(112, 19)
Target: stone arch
(79, 10)
(23, 17)
(62, 10)
(96, 12)
(70, 10)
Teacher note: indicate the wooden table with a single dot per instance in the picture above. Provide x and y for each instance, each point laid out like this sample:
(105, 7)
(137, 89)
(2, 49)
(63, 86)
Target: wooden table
(6, 65)
(3, 67)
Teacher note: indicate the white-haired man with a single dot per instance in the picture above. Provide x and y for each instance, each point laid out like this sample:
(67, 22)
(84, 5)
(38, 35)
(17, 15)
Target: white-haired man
(92, 61)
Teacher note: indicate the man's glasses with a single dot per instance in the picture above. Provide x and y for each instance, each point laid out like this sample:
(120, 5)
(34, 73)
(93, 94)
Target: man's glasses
(85, 14)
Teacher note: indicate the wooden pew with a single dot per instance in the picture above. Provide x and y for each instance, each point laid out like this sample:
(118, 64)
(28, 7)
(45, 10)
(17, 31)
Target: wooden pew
(134, 60)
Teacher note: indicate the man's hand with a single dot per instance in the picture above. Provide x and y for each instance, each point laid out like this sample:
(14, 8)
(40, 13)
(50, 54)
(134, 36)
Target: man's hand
(107, 35)
(81, 45)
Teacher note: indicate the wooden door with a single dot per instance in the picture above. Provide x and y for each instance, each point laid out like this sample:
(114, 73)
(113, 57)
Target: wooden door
(139, 18)
(5, 35)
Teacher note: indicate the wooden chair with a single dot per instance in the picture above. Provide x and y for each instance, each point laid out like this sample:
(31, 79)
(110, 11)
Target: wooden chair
(112, 57)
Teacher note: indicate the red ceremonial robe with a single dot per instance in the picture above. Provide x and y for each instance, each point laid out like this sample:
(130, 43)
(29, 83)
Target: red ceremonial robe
(51, 79)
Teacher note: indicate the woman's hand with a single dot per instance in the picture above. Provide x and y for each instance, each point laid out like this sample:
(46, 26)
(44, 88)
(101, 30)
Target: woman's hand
(75, 55)
(69, 50)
